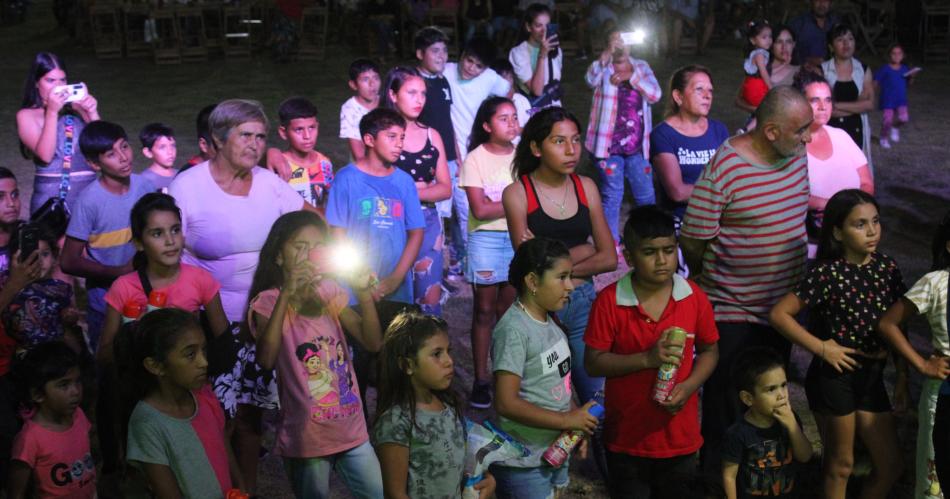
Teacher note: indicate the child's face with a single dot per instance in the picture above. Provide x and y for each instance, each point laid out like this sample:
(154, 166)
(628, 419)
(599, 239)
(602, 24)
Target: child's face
(432, 369)
(61, 396)
(388, 143)
(313, 364)
(301, 134)
(896, 56)
(47, 259)
(49, 81)
(470, 67)
(116, 163)
(503, 126)
(366, 86)
(654, 259)
(433, 58)
(9, 201)
(771, 392)
(553, 287)
(186, 365)
(763, 40)
(162, 239)
(860, 233)
(163, 152)
(411, 97)
(298, 247)
(561, 149)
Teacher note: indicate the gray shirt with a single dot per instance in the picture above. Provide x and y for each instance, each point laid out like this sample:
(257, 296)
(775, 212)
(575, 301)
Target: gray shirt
(540, 356)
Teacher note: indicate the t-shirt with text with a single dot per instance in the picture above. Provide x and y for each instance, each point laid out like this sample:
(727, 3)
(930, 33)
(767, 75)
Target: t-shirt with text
(61, 462)
(692, 153)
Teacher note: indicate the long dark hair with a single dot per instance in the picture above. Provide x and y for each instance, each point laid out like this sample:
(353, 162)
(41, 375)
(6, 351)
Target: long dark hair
(530, 14)
(941, 256)
(776, 32)
(534, 132)
(269, 275)
(534, 256)
(404, 337)
(485, 113)
(138, 219)
(836, 212)
(395, 79)
(43, 63)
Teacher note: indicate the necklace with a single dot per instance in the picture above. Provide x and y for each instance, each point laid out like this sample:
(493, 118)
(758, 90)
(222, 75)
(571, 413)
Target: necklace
(560, 206)
(525, 310)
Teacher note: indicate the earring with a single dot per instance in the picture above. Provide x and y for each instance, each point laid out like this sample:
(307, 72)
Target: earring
(534, 292)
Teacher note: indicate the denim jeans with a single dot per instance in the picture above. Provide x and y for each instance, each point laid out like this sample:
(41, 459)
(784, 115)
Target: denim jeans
(427, 269)
(574, 317)
(358, 467)
(529, 483)
(639, 174)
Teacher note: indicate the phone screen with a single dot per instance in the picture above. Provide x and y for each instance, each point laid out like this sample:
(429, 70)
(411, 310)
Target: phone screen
(552, 30)
(28, 240)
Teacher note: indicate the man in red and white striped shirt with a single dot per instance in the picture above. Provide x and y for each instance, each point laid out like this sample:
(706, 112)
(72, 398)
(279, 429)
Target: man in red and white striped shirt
(743, 236)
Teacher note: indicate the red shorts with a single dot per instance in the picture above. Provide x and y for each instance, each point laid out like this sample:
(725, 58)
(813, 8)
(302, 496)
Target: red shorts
(754, 89)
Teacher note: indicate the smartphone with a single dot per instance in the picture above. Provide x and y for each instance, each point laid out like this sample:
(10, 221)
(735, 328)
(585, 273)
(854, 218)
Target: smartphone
(551, 30)
(28, 240)
(635, 37)
(74, 91)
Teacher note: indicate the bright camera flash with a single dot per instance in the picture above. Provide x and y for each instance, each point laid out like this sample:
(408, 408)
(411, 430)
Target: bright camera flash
(344, 257)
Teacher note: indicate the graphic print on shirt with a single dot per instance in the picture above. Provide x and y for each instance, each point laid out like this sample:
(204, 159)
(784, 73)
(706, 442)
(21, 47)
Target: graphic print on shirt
(689, 157)
(327, 366)
(83, 471)
(382, 212)
(312, 183)
(558, 358)
(766, 470)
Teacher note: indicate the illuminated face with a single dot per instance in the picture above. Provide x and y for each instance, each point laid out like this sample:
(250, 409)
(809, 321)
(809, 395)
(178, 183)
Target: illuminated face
(387, 143)
(654, 259)
(62, 395)
(411, 97)
(116, 163)
(763, 40)
(432, 368)
(49, 81)
(433, 58)
(245, 145)
(47, 260)
(819, 98)
(367, 86)
(538, 28)
(504, 123)
(186, 365)
(770, 393)
(162, 239)
(553, 288)
(860, 233)
(794, 131)
(843, 46)
(163, 152)
(470, 67)
(696, 99)
(561, 149)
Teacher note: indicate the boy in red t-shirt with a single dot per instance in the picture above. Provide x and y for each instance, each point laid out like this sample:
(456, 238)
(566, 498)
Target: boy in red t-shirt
(651, 446)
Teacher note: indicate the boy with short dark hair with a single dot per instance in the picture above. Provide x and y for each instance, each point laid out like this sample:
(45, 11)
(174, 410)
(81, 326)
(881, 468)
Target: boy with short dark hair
(628, 339)
(760, 450)
(158, 145)
(99, 238)
(364, 81)
(522, 104)
(206, 150)
(472, 82)
(308, 171)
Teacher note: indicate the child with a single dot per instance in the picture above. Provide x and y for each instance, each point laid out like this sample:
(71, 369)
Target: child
(522, 105)
(760, 450)
(757, 81)
(206, 150)
(485, 174)
(52, 449)
(532, 365)
(9, 215)
(155, 223)
(43, 310)
(420, 431)
(364, 80)
(892, 80)
(176, 429)
(98, 240)
(158, 145)
(298, 315)
(627, 342)
(928, 297)
(619, 135)
(848, 289)
(308, 172)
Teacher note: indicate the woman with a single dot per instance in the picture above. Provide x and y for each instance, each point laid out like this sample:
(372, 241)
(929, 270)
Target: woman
(835, 162)
(852, 88)
(550, 200)
(423, 158)
(685, 141)
(49, 131)
(781, 69)
(228, 205)
(537, 60)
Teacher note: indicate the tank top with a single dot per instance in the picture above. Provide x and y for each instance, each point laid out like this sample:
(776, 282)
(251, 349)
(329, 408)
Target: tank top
(78, 165)
(420, 165)
(573, 231)
(847, 91)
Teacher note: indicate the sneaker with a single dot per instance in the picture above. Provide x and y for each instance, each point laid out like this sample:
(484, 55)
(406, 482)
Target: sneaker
(481, 396)
(885, 144)
(895, 135)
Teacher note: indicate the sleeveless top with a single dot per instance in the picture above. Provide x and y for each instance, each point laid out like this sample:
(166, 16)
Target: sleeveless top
(847, 91)
(573, 231)
(78, 165)
(420, 165)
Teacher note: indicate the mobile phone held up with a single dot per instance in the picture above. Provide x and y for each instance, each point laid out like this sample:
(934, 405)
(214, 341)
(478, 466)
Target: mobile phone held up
(28, 240)
(74, 91)
(552, 31)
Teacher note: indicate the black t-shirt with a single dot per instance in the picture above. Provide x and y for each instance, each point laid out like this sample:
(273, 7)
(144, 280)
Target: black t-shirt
(767, 467)
(437, 114)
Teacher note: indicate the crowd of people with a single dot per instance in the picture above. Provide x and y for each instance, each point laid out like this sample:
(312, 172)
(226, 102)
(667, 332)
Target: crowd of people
(255, 279)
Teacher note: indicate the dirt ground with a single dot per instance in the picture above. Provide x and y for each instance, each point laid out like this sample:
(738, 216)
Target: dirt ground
(911, 179)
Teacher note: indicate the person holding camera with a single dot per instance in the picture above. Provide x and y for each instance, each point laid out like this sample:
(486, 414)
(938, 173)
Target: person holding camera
(51, 117)
(537, 60)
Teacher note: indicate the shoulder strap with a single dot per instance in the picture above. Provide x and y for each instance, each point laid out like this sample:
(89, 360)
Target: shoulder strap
(68, 149)
(579, 189)
(531, 196)
(146, 284)
(551, 68)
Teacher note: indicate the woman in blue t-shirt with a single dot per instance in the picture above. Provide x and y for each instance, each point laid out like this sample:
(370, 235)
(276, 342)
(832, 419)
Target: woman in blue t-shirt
(684, 142)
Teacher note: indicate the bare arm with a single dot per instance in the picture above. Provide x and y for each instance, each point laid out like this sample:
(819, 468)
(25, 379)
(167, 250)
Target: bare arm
(277, 163)
(483, 208)
(693, 250)
(782, 318)
(671, 177)
(391, 282)
(890, 328)
(516, 213)
(161, 480)
(605, 259)
(394, 461)
(864, 104)
(40, 138)
(73, 262)
(867, 182)
(510, 405)
(366, 329)
(357, 148)
(609, 364)
(729, 472)
(268, 342)
(217, 320)
(110, 328)
(759, 61)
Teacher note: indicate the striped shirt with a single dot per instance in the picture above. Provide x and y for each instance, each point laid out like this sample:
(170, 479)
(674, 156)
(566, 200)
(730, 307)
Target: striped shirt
(754, 219)
(929, 295)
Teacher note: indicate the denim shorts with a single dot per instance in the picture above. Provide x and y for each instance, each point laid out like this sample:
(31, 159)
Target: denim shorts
(529, 483)
(489, 255)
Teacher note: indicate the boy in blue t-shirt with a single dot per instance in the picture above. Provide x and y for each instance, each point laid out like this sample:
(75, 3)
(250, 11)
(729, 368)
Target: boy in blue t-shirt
(99, 239)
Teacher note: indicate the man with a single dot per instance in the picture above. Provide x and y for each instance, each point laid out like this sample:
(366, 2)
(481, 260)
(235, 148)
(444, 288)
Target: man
(743, 237)
(811, 33)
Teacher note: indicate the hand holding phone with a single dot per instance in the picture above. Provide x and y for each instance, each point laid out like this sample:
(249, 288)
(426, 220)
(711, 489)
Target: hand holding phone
(28, 240)
(74, 91)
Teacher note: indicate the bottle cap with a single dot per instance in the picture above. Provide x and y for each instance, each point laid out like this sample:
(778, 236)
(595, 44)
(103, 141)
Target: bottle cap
(596, 410)
(132, 310)
(157, 299)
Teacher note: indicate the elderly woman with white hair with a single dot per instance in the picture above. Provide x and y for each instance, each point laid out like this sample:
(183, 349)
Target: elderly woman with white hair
(228, 205)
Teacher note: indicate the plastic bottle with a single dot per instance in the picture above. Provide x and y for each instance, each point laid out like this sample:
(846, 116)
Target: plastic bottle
(156, 300)
(666, 374)
(557, 453)
(131, 311)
